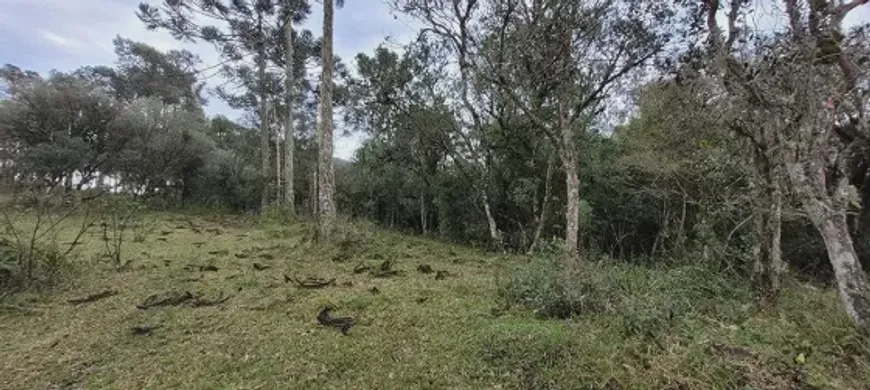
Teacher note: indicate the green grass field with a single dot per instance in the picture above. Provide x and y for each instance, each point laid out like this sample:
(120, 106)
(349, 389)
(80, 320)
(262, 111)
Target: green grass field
(677, 328)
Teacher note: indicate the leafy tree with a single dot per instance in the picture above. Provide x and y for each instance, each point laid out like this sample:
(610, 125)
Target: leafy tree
(143, 71)
(57, 128)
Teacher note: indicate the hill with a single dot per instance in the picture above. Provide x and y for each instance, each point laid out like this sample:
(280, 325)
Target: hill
(248, 324)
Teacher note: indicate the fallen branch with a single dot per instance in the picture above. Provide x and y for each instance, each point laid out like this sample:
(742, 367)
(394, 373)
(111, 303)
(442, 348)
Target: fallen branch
(168, 299)
(310, 282)
(343, 323)
(143, 330)
(385, 270)
(93, 297)
(202, 302)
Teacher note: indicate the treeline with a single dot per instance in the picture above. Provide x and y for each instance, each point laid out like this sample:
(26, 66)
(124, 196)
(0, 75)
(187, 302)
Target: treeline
(647, 131)
(137, 128)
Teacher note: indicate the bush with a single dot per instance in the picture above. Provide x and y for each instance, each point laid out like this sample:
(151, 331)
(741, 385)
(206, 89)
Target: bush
(31, 250)
(642, 295)
(22, 265)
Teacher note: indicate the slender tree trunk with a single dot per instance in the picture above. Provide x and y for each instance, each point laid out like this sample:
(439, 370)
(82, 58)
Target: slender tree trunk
(326, 176)
(265, 166)
(494, 233)
(273, 110)
(545, 206)
(680, 240)
(777, 265)
(312, 194)
(423, 226)
(572, 210)
(767, 212)
(570, 162)
(289, 134)
(572, 184)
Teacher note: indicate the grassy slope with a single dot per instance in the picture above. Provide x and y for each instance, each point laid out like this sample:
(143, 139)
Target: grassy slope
(266, 335)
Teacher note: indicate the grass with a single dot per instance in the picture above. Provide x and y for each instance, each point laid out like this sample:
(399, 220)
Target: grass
(677, 328)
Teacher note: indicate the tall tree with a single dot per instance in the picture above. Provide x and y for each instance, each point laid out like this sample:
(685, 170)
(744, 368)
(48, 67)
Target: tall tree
(325, 169)
(240, 30)
(289, 100)
(259, 43)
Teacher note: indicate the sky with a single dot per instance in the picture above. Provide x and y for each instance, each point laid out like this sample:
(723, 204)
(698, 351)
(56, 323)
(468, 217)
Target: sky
(64, 35)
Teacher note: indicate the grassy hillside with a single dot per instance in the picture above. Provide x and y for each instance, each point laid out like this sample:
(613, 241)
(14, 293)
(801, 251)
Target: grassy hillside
(678, 328)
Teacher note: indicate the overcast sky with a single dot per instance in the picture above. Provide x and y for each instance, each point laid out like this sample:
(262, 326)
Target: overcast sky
(64, 35)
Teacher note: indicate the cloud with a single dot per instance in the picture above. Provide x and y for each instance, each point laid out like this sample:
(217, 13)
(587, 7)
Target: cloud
(72, 34)
(54, 38)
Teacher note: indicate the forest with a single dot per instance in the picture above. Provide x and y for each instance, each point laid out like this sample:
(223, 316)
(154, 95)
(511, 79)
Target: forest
(549, 194)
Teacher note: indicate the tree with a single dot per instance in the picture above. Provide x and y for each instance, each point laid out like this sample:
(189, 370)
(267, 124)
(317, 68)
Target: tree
(396, 103)
(325, 170)
(798, 98)
(290, 95)
(58, 128)
(143, 71)
(241, 29)
(450, 26)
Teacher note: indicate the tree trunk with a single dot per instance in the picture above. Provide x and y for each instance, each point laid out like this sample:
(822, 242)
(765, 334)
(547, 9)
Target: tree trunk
(572, 183)
(326, 175)
(572, 210)
(851, 279)
(494, 233)
(289, 135)
(542, 219)
(827, 212)
(273, 115)
(312, 194)
(767, 213)
(265, 166)
(423, 212)
(777, 266)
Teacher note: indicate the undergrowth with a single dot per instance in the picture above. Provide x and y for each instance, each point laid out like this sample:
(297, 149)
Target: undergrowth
(683, 327)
